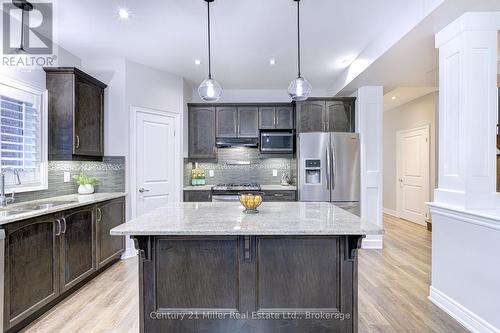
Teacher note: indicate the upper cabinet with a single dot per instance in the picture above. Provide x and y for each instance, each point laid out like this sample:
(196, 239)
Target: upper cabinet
(76, 115)
(248, 122)
(280, 117)
(202, 132)
(329, 115)
(237, 122)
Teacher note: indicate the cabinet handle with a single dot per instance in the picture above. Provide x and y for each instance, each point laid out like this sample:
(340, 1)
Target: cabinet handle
(58, 232)
(99, 215)
(64, 223)
(278, 195)
(77, 144)
(248, 249)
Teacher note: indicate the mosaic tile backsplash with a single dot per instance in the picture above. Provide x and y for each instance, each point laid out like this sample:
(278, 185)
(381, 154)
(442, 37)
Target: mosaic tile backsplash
(111, 174)
(259, 170)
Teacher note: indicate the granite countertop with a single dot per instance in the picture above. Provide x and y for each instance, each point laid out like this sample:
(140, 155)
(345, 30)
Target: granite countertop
(227, 218)
(263, 188)
(71, 201)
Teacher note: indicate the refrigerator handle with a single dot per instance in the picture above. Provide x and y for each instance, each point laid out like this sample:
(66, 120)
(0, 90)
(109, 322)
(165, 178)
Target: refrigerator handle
(334, 170)
(328, 167)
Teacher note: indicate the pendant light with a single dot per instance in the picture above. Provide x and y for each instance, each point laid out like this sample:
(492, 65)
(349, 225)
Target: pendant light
(209, 90)
(25, 6)
(299, 89)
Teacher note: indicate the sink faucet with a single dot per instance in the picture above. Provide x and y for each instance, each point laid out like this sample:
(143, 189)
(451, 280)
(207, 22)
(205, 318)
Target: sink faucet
(3, 199)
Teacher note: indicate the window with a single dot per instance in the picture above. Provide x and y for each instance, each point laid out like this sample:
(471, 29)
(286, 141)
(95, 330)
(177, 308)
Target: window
(23, 135)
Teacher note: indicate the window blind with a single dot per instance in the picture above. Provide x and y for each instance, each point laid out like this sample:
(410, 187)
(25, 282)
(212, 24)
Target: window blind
(20, 141)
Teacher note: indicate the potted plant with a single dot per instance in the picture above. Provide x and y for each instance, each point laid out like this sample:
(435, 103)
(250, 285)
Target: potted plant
(86, 184)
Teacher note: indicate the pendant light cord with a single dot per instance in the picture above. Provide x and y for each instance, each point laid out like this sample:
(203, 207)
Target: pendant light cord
(209, 44)
(298, 37)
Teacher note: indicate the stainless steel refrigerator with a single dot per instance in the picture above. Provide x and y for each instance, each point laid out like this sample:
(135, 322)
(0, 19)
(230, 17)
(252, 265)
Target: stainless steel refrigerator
(329, 169)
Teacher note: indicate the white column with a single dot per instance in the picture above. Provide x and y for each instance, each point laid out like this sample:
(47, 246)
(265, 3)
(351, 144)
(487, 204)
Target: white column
(468, 111)
(369, 110)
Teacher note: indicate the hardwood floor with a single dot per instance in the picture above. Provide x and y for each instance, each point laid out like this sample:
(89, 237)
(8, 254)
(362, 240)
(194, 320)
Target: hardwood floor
(393, 289)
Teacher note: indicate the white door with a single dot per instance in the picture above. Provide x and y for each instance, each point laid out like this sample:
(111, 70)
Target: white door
(413, 167)
(156, 160)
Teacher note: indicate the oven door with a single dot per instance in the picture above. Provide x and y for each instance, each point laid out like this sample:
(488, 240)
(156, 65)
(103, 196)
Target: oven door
(276, 142)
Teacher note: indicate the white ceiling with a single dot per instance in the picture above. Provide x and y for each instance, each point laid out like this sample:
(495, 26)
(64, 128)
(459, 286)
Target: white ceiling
(413, 61)
(405, 95)
(171, 34)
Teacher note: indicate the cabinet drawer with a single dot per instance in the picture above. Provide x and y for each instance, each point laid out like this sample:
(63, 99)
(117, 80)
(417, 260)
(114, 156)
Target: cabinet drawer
(197, 196)
(278, 196)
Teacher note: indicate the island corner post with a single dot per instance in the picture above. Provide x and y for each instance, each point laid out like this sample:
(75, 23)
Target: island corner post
(248, 283)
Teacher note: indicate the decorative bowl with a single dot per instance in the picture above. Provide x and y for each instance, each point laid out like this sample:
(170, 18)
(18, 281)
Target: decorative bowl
(250, 201)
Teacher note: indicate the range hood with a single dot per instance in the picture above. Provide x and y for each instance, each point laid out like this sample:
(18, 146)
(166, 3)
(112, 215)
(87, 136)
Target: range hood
(237, 142)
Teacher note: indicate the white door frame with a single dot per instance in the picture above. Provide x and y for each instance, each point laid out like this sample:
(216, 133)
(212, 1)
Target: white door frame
(178, 170)
(398, 165)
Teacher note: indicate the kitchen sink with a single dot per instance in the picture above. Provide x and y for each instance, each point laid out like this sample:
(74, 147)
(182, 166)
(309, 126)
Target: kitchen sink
(30, 207)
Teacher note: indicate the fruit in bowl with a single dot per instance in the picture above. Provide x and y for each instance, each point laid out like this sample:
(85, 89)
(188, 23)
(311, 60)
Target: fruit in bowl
(250, 201)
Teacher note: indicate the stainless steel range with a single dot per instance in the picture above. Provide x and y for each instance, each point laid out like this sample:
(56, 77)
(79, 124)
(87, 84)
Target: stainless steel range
(229, 192)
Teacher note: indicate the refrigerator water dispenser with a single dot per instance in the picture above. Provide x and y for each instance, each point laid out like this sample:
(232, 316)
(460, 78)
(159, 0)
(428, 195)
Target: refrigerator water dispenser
(313, 171)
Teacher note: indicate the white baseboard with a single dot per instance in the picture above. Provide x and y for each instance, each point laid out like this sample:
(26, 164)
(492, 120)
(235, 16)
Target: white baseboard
(129, 253)
(460, 313)
(373, 242)
(391, 212)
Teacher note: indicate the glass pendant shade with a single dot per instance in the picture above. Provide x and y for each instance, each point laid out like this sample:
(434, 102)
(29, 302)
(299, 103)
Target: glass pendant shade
(210, 90)
(299, 89)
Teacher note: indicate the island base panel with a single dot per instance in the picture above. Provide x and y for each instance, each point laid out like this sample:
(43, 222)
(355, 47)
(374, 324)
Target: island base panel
(248, 283)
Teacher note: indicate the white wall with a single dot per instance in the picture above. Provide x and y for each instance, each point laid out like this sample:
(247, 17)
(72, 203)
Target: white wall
(256, 95)
(417, 113)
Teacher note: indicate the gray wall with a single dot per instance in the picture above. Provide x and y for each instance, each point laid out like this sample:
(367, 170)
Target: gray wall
(417, 113)
(258, 171)
(111, 174)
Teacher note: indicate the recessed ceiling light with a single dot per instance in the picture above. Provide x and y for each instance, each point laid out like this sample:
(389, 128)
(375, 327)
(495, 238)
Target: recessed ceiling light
(123, 13)
(197, 62)
(272, 62)
(394, 97)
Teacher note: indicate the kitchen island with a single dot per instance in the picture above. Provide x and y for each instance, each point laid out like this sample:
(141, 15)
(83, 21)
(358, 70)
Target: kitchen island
(207, 267)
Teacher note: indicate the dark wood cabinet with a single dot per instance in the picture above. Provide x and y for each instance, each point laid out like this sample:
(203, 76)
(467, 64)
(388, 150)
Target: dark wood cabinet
(237, 122)
(279, 117)
(47, 257)
(311, 116)
(237, 275)
(326, 115)
(76, 115)
(248, 122)
(267, 117)
(31, 278)
(109, 215)
(202, 133)
(77, 246)
(340, 116)
(197, 196)
(284, 117)
(227, 122)
(280, 196)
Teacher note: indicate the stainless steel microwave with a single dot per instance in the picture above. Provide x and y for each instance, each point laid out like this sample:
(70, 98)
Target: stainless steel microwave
(277, 142)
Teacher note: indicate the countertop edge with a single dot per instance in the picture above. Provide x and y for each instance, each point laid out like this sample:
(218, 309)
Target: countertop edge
(101, 198)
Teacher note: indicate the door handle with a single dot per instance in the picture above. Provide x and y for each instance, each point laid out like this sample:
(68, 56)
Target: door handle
(334, 171)
(328, 167)
(64, 223)
(142, 190)
(58, 232)
(99, 215)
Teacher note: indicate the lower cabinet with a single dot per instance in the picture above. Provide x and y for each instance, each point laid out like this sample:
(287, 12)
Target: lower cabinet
(48, 256)
(77, 246)
(197, 196)
(31, 267)
(109, 215)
